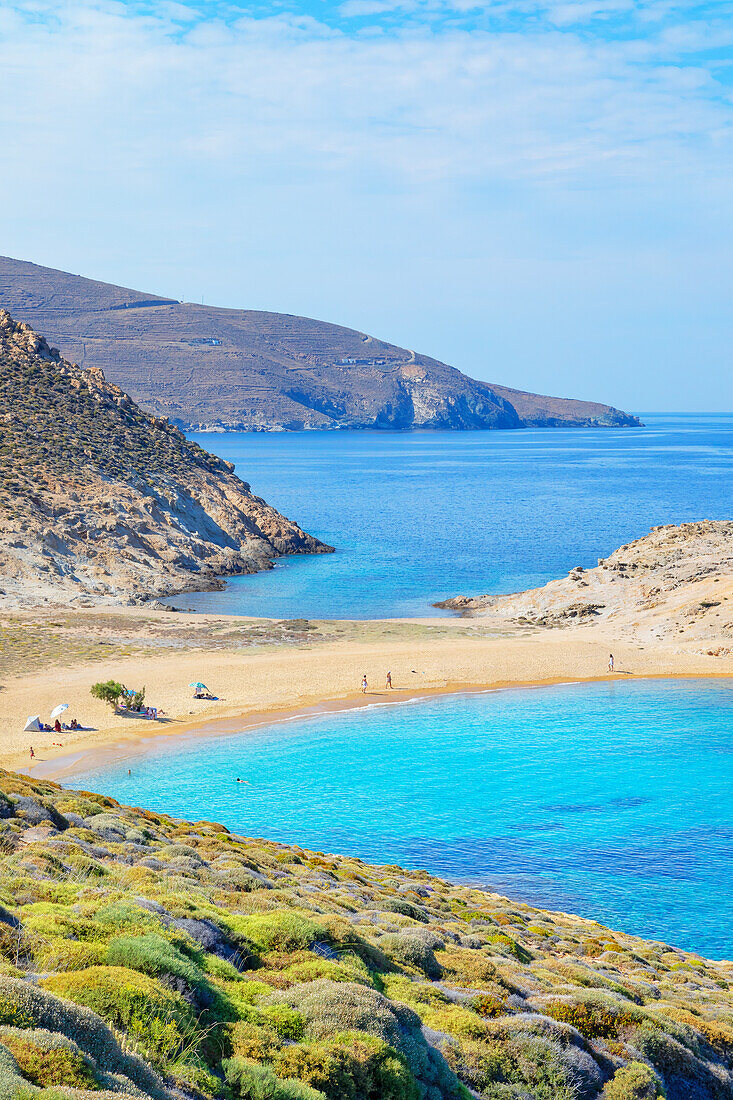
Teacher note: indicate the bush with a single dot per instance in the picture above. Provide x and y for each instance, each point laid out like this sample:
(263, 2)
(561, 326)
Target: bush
(109, 692)
(410, 949)
(406, 908)
(153, 955)
(593, 1020)
(285, 1021)
(47, 1059)
(250, 1081)
(636, 1081)
(158, 1020)
(280, 930)
(25, 1006)
(332, 1008)
(355, 1065)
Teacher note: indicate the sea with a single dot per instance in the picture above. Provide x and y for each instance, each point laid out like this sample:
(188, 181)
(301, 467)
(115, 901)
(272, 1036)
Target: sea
(417, 517)
(612, 800)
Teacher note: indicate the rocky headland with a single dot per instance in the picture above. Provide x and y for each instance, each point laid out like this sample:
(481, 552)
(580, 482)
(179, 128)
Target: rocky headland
(209, 369)
(99, 501)
(144, 956)
(675, 582)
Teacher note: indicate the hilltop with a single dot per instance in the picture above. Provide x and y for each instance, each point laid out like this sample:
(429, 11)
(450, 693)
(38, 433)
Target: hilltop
(675, 581)
(143, 956)
(100, 500)
(226, 369)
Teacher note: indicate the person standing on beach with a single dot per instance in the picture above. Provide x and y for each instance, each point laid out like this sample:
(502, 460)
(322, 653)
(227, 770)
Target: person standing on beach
(389, 680)
(364, 685)
(32, 753)
(610, 662)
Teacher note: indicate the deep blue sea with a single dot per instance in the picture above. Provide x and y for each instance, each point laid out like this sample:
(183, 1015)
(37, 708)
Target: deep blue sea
(613, 800)
(419, 516)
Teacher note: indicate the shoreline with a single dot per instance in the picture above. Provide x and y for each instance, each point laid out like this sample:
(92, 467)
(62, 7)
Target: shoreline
(263, 671)
(81, 760)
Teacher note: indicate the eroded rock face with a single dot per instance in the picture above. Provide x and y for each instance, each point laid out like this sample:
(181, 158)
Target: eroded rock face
(214, 369)
(675, 580)
(99, 500)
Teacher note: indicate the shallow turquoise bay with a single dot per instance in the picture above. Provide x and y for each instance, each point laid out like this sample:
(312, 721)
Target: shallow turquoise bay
(612, 800)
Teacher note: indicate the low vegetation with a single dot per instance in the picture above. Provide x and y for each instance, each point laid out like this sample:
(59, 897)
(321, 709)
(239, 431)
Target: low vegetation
(146, 957)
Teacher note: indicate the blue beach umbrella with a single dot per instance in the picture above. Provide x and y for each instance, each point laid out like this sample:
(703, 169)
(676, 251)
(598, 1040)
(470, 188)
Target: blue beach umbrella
(199, 687)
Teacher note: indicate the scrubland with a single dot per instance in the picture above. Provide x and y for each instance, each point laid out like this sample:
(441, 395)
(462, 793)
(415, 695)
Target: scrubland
(145, 956)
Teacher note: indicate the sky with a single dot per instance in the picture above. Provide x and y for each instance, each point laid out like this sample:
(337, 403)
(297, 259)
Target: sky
(538, 192)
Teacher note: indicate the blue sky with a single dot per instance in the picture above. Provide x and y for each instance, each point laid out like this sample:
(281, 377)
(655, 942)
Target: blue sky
(537, 191)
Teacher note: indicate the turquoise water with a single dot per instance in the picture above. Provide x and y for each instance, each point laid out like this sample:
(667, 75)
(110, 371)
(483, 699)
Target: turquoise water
(420, 516)
(613, 800)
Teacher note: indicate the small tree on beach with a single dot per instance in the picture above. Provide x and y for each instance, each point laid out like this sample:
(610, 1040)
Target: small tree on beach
(109, 692)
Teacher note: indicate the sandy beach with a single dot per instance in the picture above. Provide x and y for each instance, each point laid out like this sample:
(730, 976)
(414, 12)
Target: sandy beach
(261, 669)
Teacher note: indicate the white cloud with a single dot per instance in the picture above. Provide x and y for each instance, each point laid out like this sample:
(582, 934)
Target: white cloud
(341, 165)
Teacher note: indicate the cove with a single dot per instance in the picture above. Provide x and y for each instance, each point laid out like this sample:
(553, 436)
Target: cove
(417, 517)
(611, 800)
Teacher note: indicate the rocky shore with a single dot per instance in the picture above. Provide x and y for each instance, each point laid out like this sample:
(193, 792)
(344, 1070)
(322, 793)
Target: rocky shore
(674, 583)
(101, 502)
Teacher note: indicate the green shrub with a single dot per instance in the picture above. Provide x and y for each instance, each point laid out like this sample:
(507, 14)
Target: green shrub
(153, 955)
(409, 949)
(109, 691)
(280, 930)
(333, 1008)
(250, 1081)
(28, 1007)
(593, 1020)
(406, 908)
(636, 1081)
(352, 1065)
(47, 1059)
(511, 946)
(285, 1021)
(158, 1020)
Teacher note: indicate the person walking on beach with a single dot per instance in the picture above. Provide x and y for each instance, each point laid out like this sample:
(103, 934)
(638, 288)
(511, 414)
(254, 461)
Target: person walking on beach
(33, 755)
(364, 685)
(610, 662)
(389, 680)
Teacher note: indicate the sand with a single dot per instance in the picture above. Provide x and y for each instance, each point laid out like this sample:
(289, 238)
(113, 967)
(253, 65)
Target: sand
(320, 669)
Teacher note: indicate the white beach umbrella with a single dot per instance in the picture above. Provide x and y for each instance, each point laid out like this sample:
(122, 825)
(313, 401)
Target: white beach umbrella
(59, 710)
(33, 724)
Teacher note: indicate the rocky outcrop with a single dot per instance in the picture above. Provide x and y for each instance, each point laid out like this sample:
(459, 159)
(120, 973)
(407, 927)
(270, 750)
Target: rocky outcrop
(677, 580)
(100, 501)
(214, 369)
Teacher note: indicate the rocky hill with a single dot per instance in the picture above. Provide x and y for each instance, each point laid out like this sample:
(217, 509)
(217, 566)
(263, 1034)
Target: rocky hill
(148, 957)
(228, 369)
(100, 500)
(677, 580)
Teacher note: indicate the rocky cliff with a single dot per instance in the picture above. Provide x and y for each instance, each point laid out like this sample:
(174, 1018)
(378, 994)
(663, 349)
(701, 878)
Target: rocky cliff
(143, 956)
(227, 369)
(675, 581)
(100, 500)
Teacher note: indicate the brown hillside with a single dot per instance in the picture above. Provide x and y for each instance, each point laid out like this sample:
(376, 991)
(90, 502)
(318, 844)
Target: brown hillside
(97, 498)
(228, 369)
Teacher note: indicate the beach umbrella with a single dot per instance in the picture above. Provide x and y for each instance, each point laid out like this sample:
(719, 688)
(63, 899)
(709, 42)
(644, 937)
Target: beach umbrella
(199, 687)
(59, 710)
(33, 724)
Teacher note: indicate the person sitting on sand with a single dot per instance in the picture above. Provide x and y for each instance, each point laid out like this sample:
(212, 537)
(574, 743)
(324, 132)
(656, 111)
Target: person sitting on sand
(74, 725)
(57, 726)
(364, 685)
